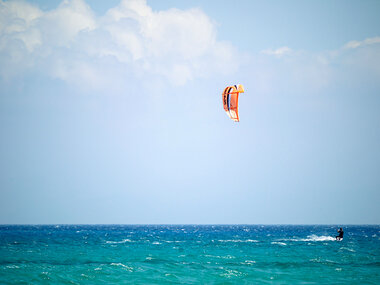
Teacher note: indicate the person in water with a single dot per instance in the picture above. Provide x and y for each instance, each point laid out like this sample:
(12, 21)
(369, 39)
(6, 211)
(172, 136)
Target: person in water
(340, 234)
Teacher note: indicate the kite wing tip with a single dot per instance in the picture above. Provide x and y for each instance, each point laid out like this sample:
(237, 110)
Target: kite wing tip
(240, 88)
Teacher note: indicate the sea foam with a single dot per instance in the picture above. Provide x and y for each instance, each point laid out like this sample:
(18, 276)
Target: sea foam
(121, 241)
(315, 238)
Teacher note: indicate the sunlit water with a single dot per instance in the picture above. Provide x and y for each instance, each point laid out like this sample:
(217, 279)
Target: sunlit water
(241, 254)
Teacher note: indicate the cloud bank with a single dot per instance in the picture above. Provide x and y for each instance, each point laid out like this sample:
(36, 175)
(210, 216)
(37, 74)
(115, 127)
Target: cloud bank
(129, 42)
(132, 45)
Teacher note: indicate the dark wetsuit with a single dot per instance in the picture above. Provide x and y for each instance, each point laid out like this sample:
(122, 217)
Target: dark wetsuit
(340, 236)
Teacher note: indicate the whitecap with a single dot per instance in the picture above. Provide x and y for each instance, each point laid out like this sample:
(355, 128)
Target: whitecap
(348, 249)
(229, 273)
(319, 260)
(122, 241)
(279, 243)
(315, 238)
(218, 256)
(252, 240)
(126, 267)
(237, 240)
(12, 266)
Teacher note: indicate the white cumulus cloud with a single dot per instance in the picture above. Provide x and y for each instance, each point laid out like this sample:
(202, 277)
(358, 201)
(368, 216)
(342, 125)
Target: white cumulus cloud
(277, 52)
(366, 42)
(129, 41)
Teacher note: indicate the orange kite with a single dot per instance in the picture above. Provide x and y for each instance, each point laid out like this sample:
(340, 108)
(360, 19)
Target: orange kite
(230, 100)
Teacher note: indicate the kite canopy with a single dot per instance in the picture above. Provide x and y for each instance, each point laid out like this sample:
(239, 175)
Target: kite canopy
(230, 100)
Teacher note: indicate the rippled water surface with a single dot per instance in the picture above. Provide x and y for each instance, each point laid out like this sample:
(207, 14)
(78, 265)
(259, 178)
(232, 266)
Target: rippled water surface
(230, 254)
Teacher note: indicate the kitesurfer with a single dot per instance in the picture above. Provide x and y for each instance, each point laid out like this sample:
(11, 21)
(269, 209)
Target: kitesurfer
(340, 234)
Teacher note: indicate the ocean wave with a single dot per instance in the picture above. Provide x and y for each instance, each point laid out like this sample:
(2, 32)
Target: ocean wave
(237, 240)
(249, 262)
(126, 267)
(279, 243)
(221, 257)
(323, 261)
(230, 273)
(173, 241)
(348, 249)
(315, 238)
(121, 241)
(12, 266)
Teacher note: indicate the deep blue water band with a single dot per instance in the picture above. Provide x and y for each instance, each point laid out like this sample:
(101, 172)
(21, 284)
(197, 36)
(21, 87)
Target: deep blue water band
(192, 254)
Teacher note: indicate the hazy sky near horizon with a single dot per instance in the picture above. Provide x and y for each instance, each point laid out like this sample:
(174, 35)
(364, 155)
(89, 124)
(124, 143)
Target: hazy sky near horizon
(111, 112)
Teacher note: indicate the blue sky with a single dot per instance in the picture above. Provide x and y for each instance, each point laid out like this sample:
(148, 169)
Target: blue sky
(111, 112)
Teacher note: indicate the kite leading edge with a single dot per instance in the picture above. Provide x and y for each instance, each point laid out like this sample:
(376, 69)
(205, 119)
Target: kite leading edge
(230, 100)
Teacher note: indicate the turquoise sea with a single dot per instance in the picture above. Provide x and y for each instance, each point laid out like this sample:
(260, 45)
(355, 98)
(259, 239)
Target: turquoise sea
(188, 254)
